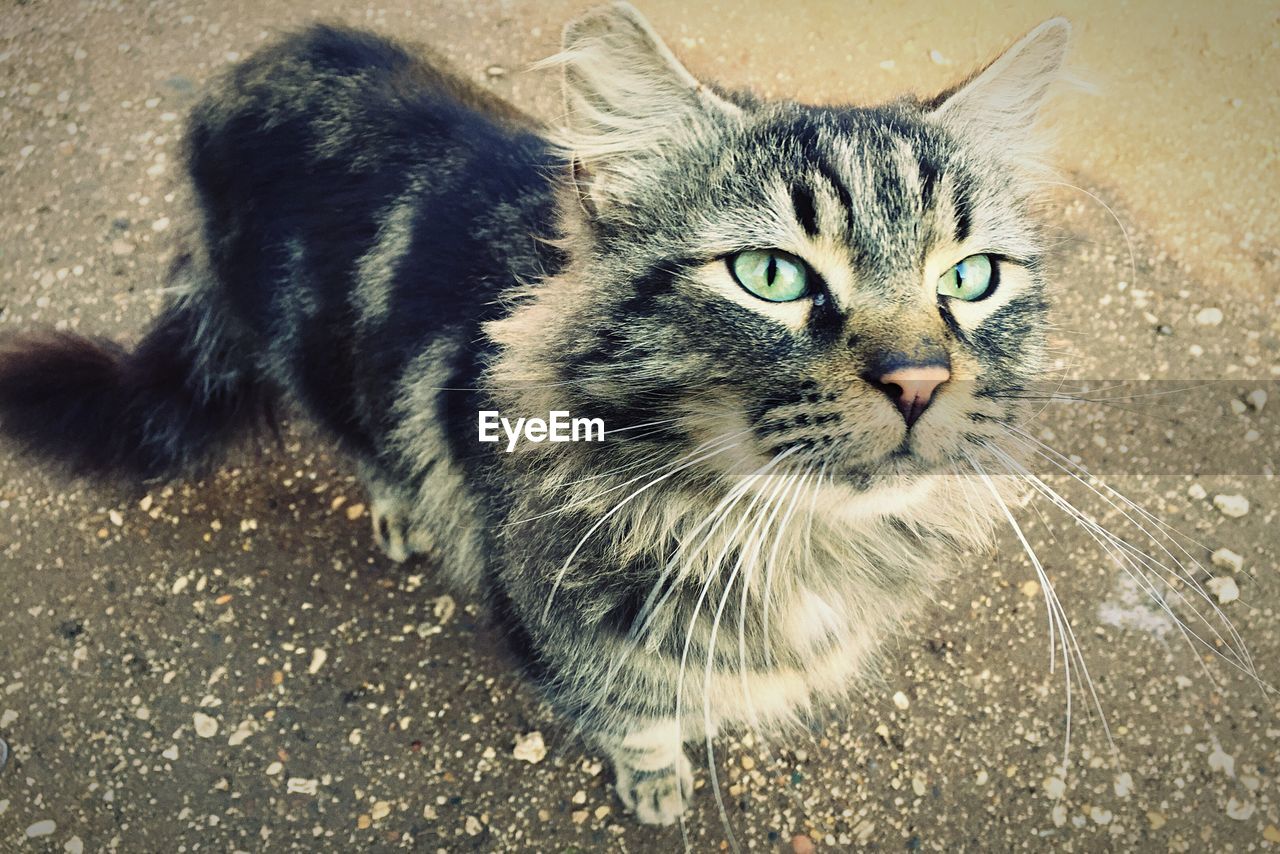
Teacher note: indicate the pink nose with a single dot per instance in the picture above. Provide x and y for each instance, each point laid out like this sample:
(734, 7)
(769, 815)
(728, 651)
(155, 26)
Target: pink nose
(911, 388)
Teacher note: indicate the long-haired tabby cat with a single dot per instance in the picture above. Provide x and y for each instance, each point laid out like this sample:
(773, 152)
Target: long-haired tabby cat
(797, 323)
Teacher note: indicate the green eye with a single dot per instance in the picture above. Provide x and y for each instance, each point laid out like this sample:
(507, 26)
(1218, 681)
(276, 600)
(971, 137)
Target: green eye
(770, 274)
(970, 280)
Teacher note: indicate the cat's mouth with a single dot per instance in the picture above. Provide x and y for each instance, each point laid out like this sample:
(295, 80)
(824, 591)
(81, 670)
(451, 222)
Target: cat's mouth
(906, 460)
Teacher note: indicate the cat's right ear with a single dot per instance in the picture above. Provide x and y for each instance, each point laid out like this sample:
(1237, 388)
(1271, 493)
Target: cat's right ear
(627, 100)
(1001, 103)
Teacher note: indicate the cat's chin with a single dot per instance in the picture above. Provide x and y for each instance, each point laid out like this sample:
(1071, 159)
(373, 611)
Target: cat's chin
(899, 468)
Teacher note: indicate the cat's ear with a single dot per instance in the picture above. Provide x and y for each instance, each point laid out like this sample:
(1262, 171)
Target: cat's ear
(627, 99)
(1001, 103)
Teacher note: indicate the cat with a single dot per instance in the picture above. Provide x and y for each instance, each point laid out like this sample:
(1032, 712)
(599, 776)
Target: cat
(796, 323)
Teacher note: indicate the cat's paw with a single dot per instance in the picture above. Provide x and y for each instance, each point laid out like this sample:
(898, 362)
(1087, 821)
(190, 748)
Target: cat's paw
(390, 530)
(658, 796)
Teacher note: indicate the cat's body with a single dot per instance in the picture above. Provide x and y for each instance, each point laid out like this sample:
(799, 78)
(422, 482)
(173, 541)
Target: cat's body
(396, 251)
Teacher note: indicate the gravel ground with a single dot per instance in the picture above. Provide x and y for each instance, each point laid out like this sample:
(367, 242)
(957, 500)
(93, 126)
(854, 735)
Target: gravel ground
(230, 665)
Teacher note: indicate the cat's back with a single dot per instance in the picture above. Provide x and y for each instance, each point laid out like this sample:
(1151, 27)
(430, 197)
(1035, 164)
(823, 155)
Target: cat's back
(358, 202)
(306, 147)
(343, 95)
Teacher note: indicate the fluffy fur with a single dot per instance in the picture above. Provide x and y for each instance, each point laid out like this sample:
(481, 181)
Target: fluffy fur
(394, 250)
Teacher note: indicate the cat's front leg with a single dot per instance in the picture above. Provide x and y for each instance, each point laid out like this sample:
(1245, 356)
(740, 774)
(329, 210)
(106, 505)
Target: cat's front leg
(390, 510)
(654, 777)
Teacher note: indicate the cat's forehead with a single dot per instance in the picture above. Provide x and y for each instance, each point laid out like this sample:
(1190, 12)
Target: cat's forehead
(881, 184)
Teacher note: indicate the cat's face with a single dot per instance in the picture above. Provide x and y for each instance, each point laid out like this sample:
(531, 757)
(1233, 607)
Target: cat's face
(855, 288)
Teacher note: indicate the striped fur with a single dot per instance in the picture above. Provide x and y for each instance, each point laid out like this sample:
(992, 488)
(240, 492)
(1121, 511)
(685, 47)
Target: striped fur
(393, 250)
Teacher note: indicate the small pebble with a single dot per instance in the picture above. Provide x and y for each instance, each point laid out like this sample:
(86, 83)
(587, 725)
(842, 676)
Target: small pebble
(801, 844)
(1271, 833)
(1227, 559)
(530, 748)
(74, 845)
(41, 828)
(301, 786)
(1257, 399)
(1234, 506)
(1196, 491)
(381, 809)
(242, 733)
(475, 828)
(206, 727)
(900, 700)
(1156, 819)
(444, 608)
(496, 71)
(355, 511)
(1123, 784)
(1240, 810)
(1220, 760)
(318, 658)
(1209, 316)
(1055, 787)
(1225, 588)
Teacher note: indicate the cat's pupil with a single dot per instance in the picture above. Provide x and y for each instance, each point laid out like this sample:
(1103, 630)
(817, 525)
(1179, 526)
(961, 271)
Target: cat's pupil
(772, 269)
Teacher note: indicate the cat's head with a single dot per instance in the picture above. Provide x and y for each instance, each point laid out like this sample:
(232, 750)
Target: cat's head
(857, 287)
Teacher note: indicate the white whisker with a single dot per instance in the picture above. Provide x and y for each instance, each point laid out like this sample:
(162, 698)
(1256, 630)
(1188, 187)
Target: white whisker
(1239, 655)
(596, 496)
(779, 495)
(697, 609)
(616, 509)
(1132, 560)
(1070, 644)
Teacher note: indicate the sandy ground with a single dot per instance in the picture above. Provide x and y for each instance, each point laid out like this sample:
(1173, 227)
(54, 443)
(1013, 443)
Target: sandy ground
(229, 665)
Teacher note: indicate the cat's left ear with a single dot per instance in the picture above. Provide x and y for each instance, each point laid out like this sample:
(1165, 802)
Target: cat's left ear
(627, 100)
(1001, 103)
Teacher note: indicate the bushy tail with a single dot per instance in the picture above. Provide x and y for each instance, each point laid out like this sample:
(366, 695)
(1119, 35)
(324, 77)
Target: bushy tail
(101, 410)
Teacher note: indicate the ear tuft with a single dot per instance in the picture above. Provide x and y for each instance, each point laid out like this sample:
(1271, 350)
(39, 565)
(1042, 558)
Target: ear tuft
(627, 97)
(1004, 99)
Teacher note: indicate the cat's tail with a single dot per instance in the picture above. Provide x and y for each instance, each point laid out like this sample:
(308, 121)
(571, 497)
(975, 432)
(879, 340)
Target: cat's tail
(155, 411)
